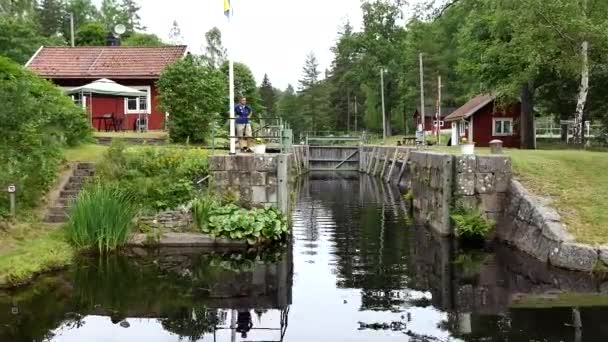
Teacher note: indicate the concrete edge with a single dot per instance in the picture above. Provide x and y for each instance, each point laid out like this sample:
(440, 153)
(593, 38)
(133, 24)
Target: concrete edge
(183, 240)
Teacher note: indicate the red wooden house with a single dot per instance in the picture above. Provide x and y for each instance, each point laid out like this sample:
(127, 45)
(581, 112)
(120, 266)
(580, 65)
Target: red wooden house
(431, 123)
(481, 121)
(135, 67)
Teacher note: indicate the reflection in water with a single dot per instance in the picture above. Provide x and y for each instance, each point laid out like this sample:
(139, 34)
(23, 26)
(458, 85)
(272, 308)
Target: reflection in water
(357, 271)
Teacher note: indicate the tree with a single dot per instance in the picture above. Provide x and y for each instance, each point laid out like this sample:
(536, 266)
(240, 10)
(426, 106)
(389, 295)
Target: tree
(214, 51)
(268, 96)
(19, 39)
(51, 16)
(91, 34)
(133, 20)
(287, 105)
(191, 91)
(175, 34)
(17, 8)
(112, 14)
(142, 39)
(83, 12)
(244, 85)
(310, 72)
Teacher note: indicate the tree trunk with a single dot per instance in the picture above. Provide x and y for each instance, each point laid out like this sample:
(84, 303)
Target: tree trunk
(579, 119)
(528, 134)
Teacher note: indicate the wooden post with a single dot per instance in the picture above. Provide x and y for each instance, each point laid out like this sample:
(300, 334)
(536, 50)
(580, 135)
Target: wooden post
(375, 170)
(403, 166)
(390, 171)
(371, 160)
(384, 164)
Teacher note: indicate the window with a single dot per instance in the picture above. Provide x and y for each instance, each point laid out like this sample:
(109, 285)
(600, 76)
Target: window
(502, 126)
(441, 123)
(136, 105)
(462, 128)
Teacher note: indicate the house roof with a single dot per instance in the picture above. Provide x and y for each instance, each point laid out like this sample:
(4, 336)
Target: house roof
(430, 111)
(471, 107)
(104, 61)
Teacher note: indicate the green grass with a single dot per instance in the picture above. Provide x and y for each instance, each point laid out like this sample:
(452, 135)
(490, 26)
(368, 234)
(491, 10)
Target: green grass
(31, 249)
(126, 134)
(100, 219)
(86, 153)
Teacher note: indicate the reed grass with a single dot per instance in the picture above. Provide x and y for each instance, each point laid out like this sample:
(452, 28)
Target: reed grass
(101, 219)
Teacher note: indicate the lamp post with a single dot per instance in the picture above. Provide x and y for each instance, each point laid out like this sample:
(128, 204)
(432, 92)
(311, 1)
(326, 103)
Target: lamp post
(382, 71)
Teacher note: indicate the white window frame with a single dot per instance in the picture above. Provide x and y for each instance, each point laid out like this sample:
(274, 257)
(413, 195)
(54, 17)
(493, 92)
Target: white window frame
(441, 123)
(148, 109)
(462, 128)
(501, 134)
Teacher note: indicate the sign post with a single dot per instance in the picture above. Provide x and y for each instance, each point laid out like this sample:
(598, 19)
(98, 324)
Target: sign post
(11, 194)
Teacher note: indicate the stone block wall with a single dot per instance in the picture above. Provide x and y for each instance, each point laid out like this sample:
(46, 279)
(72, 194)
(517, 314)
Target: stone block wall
(253, 179)
(531, 225)
(172, 220)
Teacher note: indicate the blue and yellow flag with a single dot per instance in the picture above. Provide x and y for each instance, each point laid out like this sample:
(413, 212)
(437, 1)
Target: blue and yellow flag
(227, 9)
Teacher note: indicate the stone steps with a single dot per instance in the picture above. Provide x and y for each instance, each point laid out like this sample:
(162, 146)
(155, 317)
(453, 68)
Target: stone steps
(58, 213)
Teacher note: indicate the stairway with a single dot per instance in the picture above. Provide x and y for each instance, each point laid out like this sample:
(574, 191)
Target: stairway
(58, 212)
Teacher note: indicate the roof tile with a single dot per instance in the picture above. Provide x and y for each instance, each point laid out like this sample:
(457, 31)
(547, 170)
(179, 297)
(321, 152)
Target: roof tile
(104, 61)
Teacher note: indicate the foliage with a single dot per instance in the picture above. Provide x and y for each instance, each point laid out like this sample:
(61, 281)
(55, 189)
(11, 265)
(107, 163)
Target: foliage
(101, 218)
(143, 39)
(83, 11)
(19, 38)
(50, 14)
(230, 221)
(93, 34)
(268, 96)
(37, 122)
(471, 224)
(155, 177)
(192, 92)
(215, 53)
(245, 261)
(244, 85)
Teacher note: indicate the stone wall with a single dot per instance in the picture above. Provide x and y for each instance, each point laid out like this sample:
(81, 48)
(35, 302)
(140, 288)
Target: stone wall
(171, 220)
(534, 227)
(253, 179)
(438, 181)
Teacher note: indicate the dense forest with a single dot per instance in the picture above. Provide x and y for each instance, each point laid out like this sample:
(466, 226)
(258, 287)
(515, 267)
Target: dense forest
(550, 54)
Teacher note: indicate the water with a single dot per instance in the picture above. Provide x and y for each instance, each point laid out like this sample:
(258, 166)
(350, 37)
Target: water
(357, 271)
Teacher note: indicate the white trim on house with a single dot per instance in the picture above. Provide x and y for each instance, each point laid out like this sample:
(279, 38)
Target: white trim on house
(148, 109)
(502, 134)
(34, 56)
(471, 136)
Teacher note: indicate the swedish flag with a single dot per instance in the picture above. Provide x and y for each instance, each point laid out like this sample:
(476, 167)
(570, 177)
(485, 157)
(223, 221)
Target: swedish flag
(227, 9)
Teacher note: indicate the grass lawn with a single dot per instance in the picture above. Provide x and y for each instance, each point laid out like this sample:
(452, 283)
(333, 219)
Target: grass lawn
(129, 134)
(27, 249)
(86, 153)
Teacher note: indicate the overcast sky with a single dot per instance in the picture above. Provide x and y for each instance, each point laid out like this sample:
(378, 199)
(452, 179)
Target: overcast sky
(272, 36)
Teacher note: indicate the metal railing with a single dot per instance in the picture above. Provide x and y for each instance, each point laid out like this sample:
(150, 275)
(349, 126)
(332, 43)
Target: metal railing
(334, 137)
(273, 131)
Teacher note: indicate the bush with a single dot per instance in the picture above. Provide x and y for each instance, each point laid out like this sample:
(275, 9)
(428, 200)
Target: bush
(235, 223)
(37, 122)
(471, 224)
(192, 92)
(101, 218)
(157, 178)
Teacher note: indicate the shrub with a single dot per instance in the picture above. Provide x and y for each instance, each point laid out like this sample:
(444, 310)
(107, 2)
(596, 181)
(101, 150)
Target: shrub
(101, 218)
(192, 92)
(37, 122)
(235, 223)
(470, 224)
(157, 178)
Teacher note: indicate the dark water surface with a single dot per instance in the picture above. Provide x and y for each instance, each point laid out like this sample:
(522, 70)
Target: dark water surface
(357, 271)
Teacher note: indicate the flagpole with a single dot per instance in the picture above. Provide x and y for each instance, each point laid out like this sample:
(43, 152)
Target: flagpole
(231, 104)
(231, 80)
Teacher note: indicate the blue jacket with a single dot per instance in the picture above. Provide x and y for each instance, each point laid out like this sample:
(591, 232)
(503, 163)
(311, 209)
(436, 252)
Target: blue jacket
(242, 114)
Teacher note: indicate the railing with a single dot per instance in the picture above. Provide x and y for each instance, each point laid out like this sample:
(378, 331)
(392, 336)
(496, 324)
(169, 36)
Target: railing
(274, 132)
(334, 138)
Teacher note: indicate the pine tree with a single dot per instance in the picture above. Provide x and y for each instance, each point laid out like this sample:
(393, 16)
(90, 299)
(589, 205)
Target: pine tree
(310, 72)
(84, 11)
(268, 95)
(51, 16)
(175, 34)
(131, 9)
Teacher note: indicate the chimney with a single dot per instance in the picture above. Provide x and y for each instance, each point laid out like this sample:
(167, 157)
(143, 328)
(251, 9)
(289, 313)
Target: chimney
(112, 40)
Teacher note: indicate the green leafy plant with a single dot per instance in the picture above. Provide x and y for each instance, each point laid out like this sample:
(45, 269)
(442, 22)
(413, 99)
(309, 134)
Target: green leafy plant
(235, 223)
(471, 224)
(157, 178)
(101, 218)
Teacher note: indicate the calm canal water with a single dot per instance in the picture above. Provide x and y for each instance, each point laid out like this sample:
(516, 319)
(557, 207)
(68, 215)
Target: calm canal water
(356, 271)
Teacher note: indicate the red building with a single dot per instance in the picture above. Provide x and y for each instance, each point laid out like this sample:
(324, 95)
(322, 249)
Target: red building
(136, 67)
(430, 115)
(481, 121)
